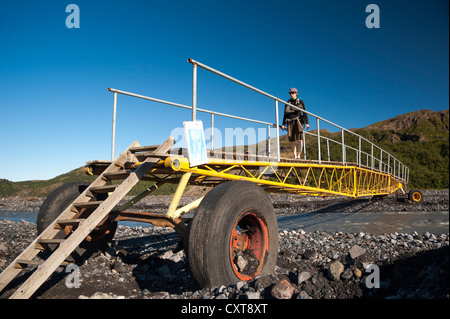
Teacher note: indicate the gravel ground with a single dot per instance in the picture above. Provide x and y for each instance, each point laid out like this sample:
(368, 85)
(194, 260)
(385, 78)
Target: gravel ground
(140, 263)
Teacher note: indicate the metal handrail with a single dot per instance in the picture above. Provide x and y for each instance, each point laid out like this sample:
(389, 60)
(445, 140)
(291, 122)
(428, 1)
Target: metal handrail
(398, 169)
(403, 173)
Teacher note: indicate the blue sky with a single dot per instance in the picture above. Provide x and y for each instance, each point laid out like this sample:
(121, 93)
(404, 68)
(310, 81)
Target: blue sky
(56, 112)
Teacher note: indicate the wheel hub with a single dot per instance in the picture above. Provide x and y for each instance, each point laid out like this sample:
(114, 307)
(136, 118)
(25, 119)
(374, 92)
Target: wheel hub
(248, 246)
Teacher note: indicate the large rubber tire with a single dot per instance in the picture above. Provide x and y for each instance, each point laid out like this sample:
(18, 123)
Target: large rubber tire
(55, 204)
(415, 196)
(233, 236)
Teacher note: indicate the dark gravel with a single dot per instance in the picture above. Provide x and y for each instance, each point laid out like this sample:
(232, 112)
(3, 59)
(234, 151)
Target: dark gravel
(140, 263)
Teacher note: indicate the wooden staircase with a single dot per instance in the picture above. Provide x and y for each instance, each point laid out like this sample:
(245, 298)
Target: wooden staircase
(84, 226)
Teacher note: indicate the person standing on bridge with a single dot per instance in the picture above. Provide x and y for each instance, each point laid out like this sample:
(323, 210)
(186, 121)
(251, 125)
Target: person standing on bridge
(294, 120)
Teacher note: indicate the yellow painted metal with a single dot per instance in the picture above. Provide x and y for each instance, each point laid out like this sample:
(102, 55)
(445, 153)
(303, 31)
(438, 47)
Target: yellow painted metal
(178, 193)
(185, 209)
(294, 177)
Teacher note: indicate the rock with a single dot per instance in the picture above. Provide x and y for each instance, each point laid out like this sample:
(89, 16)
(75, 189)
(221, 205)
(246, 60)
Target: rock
(109, 252)
(252, 295)
(3, 249)
(356, 251)
(282, 290)
(164, 271)
(220, 290)
(177, 257)
(357, 273)
(239, 285)
(347, 274)
(303, 276)
(310, 254)
(303, 295)
(102, 295)
(166, 255)
(241, 263)
(335, 270)
(119, 267)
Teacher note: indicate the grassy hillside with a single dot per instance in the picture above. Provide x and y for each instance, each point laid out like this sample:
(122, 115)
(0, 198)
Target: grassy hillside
(44, 188)
(419, 139)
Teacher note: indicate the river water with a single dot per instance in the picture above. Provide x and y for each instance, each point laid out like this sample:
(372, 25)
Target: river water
(436, 222)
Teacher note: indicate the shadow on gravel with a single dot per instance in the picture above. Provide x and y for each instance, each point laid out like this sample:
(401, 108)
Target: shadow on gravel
(157, 270)
(424, 275)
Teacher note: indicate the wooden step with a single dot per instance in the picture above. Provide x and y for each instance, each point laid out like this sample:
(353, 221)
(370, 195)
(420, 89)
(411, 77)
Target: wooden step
(43, 243)
(69, 222)
(91, 204)
(103, 189)
(117, 175)
(143, 148)
(22, 263)
(50, 240)
(153, 154)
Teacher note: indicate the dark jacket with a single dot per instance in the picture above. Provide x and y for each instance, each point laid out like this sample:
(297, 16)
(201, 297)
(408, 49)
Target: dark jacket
(290, 113)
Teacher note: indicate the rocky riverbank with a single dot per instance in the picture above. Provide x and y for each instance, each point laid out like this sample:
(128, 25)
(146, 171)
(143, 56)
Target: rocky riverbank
(140, 263)
(319, 265)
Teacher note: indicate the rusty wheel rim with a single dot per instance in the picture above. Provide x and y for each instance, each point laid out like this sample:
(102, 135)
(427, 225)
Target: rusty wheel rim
(249, 245)
(417, 197)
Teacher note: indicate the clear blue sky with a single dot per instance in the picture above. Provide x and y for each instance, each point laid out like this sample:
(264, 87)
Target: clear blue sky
(56, 111)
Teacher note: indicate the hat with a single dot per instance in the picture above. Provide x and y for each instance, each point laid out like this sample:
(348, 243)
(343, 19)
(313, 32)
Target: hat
(293, 90)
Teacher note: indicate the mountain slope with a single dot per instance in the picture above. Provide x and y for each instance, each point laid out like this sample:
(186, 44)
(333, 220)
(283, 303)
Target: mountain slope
(420, 140)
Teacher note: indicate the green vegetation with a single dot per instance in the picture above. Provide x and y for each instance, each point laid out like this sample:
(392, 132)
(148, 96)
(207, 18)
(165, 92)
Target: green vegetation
(44, 188)
(418, 139)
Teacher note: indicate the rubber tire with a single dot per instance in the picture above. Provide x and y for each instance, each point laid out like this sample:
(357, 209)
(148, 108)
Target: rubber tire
(55, 204)
(209, 233)
(415, 196)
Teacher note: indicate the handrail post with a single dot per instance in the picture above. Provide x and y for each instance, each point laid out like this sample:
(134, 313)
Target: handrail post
(268, 140)
(393, 168)
(328, 150)
(343, 147)
(319, 156)
(194, 91)
(381, 160)
(113, 142)
(359, 152)
(277, 123)
(212, 132)
(372, 158)
(304, 145)
(389, 164)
